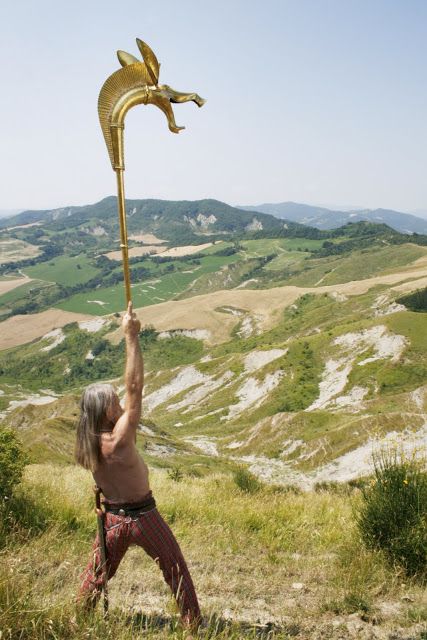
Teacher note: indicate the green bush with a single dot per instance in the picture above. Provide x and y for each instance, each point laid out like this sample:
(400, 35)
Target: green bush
(246, 481)
(393, 512)
(12, 463)
(416, 301)
(175, 474)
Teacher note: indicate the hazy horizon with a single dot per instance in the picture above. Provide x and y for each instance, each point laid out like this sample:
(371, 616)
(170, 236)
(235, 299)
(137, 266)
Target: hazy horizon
(306, 102)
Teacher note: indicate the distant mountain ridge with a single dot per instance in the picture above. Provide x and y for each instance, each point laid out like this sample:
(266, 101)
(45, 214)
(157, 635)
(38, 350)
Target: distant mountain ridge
(323, 218)
(181, 217)
(179, 220)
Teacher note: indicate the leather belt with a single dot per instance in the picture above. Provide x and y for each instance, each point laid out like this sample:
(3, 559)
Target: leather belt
(129, 509)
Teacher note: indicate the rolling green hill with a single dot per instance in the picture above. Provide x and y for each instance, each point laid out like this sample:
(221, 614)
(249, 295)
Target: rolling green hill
(180, 221)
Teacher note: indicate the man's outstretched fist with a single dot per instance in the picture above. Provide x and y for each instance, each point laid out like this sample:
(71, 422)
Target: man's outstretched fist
(130, 323)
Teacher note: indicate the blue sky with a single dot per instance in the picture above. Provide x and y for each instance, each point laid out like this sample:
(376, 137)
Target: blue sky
(321, 102)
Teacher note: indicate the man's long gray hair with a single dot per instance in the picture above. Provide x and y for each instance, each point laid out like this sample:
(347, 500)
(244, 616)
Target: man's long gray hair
(94, 403)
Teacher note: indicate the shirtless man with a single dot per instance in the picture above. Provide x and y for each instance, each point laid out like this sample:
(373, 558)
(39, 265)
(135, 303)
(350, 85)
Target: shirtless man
(105, 444)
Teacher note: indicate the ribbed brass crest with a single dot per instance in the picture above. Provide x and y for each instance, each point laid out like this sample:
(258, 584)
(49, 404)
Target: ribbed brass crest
(114, 90)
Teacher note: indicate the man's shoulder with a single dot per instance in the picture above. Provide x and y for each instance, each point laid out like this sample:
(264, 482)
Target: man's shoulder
(116, 441)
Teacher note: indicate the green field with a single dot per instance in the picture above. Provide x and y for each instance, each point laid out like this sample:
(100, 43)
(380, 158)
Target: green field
(66, 270)
(160, 289)
(356, 265)
(21, 292)
(290, 254)
(286, 260)
(218, 246)
(8, 277)
(297, 270)
(258, 248)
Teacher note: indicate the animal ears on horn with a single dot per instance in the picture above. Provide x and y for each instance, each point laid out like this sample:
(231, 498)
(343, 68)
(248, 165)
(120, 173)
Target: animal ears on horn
(126, 58)
(150, 60)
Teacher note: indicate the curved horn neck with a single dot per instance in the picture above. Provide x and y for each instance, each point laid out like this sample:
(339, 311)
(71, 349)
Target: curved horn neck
(124, 89)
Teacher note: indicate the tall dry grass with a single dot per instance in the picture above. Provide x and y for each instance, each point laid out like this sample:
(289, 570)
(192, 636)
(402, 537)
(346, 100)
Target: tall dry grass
(271, 562)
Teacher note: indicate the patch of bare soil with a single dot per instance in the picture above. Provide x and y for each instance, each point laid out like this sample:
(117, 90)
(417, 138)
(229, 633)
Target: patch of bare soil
(21, 329)
(234, 587)
(12, 250)
(135, 252)
(177, 252)
(174, 252)
(200, 312)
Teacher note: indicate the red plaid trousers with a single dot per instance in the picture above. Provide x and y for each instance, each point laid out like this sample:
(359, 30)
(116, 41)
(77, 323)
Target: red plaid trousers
(150, 532)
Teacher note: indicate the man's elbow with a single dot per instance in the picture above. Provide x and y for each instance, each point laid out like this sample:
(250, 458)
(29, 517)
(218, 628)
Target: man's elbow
(135, 388)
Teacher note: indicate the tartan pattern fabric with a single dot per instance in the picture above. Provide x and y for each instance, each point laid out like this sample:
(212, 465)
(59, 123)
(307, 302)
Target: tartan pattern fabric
(150, 532)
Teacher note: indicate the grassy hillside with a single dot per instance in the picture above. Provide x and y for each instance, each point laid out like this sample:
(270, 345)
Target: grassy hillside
(295, 382)
(270, 564)
(292, 358)
(331, 374)
(67, 270)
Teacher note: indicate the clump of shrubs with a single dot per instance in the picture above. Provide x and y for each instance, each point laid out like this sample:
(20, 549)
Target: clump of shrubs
(246, 481)
(393, 513)
(12, 463)
(332, 486)
(341, 488)
(285, 489)
(176, 474)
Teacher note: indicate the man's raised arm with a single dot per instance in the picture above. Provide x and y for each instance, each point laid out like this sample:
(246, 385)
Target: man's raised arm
(134, 376)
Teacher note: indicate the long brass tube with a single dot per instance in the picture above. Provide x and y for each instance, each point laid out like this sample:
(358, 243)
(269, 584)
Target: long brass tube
(123, 232)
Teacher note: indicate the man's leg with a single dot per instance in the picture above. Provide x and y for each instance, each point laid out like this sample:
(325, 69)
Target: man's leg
(117, 543)
(152, 533)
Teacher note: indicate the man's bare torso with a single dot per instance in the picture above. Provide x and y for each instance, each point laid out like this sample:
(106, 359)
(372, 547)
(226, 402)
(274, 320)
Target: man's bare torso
(122, 474)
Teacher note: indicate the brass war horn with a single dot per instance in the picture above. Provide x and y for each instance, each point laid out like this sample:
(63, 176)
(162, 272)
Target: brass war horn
(135, 83)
